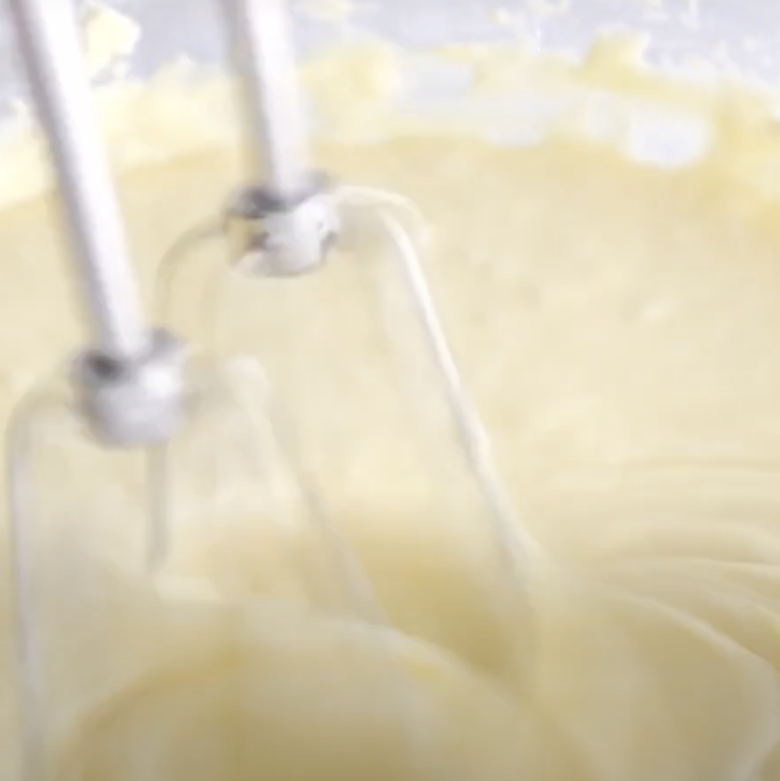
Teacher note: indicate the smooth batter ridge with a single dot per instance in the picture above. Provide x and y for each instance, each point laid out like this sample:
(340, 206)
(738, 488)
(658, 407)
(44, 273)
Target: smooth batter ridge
(613, 296)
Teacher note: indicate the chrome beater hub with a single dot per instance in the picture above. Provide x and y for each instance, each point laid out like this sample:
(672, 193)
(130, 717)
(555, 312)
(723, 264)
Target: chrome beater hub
(275, 236)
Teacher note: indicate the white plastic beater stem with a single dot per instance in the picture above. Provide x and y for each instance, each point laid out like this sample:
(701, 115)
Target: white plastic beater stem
(261, 40)
(49, 39)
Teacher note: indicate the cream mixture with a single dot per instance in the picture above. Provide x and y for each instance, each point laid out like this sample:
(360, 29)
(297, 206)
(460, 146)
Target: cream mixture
(616, 314)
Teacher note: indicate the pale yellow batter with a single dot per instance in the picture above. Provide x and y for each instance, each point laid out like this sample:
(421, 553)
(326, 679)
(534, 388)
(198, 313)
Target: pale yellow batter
(617, 322)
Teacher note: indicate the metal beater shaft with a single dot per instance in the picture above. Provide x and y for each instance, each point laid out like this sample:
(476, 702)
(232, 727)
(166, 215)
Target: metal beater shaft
(261, 41)
(49, 39)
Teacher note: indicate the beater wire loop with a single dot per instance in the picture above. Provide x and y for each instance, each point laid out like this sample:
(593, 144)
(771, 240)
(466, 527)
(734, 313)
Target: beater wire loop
(249, 379)
(158, 483)
(175, 259)
(517, 546)
(20, 435)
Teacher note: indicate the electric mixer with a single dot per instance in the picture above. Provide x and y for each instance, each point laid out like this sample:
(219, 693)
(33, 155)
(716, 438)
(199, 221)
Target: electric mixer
(138, 387)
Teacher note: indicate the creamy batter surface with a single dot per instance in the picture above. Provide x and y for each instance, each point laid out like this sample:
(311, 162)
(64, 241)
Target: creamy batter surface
(617, 321)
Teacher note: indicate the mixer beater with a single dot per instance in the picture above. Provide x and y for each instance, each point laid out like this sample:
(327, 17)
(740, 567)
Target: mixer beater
(138, 387)
(285, 227)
